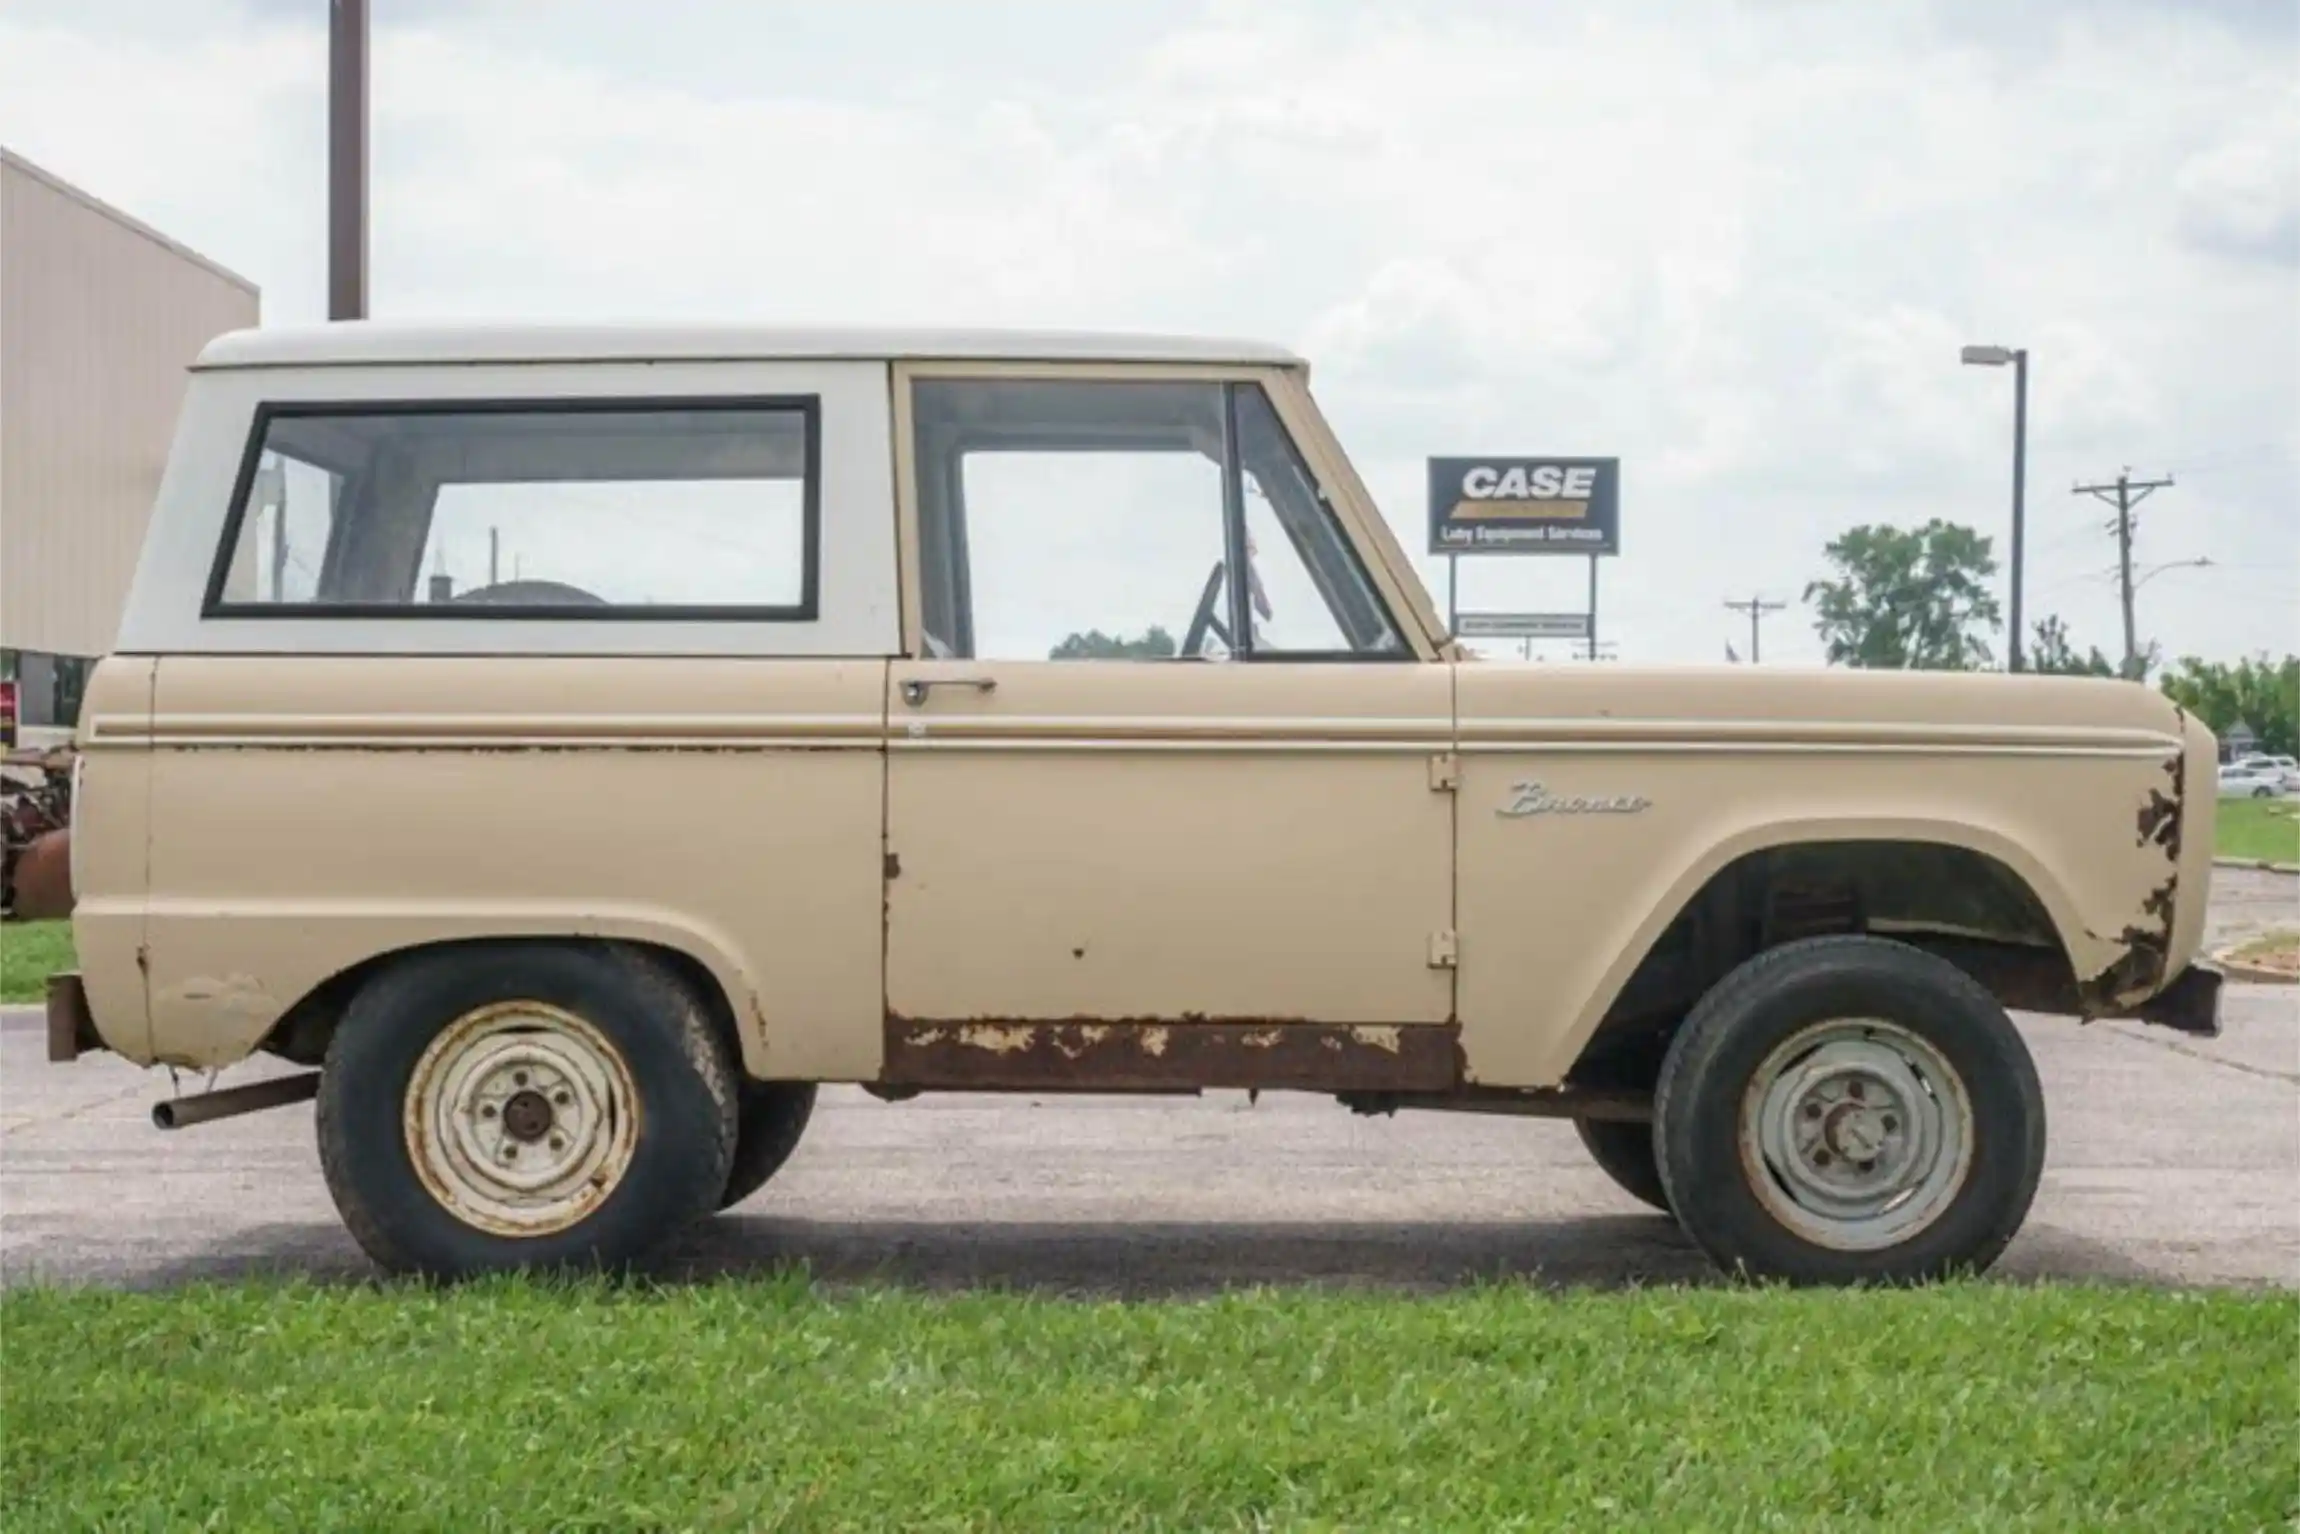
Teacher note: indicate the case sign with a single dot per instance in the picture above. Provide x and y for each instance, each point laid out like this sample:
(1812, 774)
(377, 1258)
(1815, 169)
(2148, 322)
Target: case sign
(1525, 505)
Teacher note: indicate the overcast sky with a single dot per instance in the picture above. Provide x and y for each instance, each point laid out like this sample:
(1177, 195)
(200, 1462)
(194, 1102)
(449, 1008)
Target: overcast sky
(1736, 245)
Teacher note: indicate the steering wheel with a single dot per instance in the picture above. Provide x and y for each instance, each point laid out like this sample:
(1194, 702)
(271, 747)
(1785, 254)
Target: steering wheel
(529, 594)
(1203, 620)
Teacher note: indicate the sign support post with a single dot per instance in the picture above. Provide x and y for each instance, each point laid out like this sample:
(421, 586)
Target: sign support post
(1593, 607)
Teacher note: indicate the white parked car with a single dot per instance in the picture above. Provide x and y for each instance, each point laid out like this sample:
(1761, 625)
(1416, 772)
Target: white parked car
(2240, 782)
(2284, 769)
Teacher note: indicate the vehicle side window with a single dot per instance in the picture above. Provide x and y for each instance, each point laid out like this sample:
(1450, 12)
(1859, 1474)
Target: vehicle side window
(1308, 593)
(566, 508)
(1099, 520)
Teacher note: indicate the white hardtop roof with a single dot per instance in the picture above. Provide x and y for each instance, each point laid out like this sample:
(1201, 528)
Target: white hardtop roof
(359, 343)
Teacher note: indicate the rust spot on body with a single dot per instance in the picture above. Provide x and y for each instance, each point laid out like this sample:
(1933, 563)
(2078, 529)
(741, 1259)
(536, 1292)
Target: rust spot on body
(1152, 1055)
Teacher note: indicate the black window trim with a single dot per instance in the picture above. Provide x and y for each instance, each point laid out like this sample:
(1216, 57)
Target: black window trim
(808, 609)
(1234, 484)
(1237, 600)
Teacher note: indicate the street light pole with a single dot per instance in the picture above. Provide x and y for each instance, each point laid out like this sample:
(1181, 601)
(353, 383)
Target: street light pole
(2020, 482)
(1997, 357)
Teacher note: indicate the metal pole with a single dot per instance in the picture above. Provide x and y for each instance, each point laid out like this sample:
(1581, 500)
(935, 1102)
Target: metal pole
(1593, 607)
(2124, 568)
(2020, 480)
(347, 160)
(1452, 596)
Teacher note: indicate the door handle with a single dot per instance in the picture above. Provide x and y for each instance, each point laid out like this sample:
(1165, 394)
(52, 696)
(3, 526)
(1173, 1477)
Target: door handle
(915, 689)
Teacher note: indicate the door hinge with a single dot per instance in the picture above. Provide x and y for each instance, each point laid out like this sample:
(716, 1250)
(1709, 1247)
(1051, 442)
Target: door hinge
(1445, 773)
(1445, 948)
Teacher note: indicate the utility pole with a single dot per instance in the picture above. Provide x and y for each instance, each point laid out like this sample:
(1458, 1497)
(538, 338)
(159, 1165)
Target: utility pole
(494, 552)
(1756, 608)
(347, 160)
(2124, 494)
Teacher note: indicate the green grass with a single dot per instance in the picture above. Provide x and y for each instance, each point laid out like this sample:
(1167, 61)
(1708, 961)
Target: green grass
(30, 952)
(772, 1404)
(2259, 828)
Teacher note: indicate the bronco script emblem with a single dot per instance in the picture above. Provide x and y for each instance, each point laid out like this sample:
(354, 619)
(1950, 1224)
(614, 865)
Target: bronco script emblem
(1530, 798)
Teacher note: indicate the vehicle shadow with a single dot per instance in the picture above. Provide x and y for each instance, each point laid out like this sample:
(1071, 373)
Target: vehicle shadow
(1128, 1260)
(1145, 1260)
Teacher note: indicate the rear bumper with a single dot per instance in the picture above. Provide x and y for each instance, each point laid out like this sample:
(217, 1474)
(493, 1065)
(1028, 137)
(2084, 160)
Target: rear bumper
(2191, 1004)
(71, 1026)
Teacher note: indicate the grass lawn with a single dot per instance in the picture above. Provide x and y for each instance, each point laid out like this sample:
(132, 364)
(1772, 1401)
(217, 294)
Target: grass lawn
(770, 1403)
(2259, 828)
(31, 951)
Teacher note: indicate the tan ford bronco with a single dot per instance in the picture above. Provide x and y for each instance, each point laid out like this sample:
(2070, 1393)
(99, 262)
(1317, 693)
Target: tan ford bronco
(578, 744)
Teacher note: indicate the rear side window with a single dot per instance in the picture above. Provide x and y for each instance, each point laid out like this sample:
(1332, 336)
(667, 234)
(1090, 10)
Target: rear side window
(654, 509)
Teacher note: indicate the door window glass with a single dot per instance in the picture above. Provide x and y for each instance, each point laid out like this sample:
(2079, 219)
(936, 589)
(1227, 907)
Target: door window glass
(1097, 520)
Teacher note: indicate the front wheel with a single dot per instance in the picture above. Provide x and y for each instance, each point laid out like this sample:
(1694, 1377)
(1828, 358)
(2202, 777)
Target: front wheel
(523, 1105)
(1850, 1110)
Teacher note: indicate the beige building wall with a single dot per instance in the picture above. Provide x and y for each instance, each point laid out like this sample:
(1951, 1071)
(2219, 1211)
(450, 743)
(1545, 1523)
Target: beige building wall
(99, 318)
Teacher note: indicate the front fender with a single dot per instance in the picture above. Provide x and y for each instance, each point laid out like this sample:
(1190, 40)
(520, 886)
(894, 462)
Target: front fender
(1557, 911)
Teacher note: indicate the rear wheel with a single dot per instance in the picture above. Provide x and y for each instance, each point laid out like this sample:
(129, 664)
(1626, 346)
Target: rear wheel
(772, 1116)
(523, 1105)
(1850, 1109)
(1623, 1151)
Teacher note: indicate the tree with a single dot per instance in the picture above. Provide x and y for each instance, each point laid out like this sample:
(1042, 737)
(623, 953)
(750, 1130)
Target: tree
(2258, 692)
(1157, 644)
(2051, 654)
(1908, 599)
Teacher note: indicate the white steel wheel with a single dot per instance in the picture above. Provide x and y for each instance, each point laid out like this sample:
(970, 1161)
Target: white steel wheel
(1856, 1134)
(521, 1118)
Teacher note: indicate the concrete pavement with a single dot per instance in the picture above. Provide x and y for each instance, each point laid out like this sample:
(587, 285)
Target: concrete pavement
(2171, 1160)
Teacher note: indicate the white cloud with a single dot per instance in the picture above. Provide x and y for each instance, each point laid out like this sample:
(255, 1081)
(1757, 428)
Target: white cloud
(1737, 245)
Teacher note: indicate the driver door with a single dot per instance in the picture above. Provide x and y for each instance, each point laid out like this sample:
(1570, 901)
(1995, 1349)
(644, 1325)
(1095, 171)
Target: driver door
(1176, 818)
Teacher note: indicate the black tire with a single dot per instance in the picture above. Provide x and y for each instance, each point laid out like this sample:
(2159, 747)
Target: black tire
(1624, 1152)
(1769, 1001)
(676, 1061)
(769, 1120)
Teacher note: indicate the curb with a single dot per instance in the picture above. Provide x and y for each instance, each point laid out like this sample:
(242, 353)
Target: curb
(2237, 969)
(2260, 864)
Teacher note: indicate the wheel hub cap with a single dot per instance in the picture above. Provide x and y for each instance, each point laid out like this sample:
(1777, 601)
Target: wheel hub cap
(1856, 1134)
(521, 1118)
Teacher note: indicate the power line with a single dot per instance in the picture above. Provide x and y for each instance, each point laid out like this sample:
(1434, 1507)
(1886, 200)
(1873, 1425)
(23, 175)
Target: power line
(2127, 493)
(1756, 608)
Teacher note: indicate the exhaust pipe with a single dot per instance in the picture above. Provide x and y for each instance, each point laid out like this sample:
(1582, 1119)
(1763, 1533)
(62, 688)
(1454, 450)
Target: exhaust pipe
(204, 1107)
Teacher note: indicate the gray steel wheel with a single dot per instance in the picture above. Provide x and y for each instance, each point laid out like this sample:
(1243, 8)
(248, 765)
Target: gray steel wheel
(1847, 1110)
(1857, 1134)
